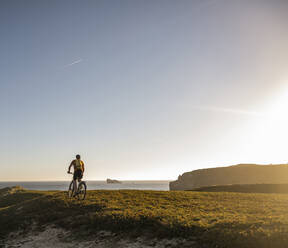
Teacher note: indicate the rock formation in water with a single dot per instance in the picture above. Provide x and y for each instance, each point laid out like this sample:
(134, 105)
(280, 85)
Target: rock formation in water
(236, 174)
(112, 181)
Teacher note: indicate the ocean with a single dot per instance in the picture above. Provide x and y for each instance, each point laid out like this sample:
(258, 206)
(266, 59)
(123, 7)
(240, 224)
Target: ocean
(91, 185)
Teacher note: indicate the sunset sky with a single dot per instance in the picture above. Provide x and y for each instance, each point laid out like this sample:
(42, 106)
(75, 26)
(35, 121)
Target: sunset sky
(144, 89)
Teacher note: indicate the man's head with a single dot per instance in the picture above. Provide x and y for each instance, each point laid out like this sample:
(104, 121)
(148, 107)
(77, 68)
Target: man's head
(78, 156)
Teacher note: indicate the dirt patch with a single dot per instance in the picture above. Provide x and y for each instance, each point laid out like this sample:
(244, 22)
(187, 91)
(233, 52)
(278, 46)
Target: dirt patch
(53, 237)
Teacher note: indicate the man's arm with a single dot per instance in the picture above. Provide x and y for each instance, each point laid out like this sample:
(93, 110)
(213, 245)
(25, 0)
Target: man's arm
(70, 166)
(83, 166)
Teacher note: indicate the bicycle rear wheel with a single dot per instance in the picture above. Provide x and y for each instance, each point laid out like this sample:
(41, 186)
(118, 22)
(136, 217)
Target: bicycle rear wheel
(71, 190)
(81, 190)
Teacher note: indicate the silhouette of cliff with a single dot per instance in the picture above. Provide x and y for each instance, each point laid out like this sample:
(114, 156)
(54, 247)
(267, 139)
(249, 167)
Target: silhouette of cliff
(236, 174)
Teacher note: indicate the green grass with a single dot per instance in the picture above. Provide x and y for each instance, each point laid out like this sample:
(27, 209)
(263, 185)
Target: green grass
(216, 219)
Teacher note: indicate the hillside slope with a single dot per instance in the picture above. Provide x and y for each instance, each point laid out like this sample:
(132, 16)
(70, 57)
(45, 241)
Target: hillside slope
(209, 219)
(237, 174)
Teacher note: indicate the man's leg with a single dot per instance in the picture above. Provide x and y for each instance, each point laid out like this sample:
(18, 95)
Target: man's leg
(79, 180)
(75, 186)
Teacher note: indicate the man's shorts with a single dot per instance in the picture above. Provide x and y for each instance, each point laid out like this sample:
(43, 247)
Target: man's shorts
(78, 174)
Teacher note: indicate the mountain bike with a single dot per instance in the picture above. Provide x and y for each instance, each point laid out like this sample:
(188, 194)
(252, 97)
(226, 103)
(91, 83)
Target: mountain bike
(80, 194)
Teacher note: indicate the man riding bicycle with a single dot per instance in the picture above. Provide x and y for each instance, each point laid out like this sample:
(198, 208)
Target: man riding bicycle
(78, 166)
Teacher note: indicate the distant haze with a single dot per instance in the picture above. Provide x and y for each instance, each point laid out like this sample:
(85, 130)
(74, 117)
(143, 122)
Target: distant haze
(141, 89)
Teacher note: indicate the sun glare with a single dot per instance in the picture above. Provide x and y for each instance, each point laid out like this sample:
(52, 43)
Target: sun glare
(269, 133)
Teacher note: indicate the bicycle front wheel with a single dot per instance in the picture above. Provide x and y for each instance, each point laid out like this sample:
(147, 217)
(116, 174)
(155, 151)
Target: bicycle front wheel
(71, 190)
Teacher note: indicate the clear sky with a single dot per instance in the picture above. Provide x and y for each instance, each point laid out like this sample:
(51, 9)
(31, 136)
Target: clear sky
(142, 89)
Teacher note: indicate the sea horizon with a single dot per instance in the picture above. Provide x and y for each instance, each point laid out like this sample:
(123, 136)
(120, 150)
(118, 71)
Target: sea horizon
(91, 184)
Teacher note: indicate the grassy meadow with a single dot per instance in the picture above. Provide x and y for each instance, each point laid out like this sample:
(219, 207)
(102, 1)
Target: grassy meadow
(216, 219)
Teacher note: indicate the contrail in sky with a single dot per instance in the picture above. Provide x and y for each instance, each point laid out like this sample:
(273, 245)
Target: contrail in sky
(228, 110)
(73, 63)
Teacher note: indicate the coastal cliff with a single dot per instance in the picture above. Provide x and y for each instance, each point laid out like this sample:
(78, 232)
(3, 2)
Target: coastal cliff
(236, 174)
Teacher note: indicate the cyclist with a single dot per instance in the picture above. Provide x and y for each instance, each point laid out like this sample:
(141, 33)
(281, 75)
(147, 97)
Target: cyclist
(78, 166)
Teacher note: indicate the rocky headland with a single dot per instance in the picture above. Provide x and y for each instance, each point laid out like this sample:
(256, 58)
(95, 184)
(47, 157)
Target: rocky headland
(236, 174)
